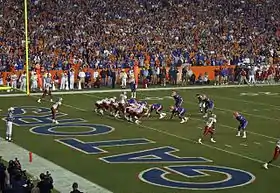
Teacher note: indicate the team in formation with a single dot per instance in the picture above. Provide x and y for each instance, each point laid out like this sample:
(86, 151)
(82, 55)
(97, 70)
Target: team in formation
(135, 111)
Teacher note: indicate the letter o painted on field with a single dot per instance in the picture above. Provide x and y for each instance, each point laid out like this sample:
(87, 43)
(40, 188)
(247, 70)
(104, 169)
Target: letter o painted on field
(94, 129)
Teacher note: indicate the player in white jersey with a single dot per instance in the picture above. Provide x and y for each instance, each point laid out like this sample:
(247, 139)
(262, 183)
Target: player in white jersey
(54, 110)
(209, 129)
(9, 122)
(47, 89)
(99, 106)
(121, 104)
(275, 154)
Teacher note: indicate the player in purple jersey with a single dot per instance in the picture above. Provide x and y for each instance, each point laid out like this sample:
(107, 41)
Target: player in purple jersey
(178, 99)
(180, 112)
(157, 108)
(242, 124)
(208, 107)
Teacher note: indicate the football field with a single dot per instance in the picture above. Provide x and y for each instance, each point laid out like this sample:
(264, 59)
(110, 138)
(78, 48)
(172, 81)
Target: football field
(157, 156)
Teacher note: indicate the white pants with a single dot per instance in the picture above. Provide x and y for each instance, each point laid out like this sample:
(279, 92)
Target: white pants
(23, 85)
(9, 128)
(34, 84)
(14, 84)
(252, 79)
(62, 83)
(123, 83)
(72, 81)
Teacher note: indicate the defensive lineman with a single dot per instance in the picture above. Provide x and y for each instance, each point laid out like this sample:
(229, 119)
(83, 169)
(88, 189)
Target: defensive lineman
(9, 121)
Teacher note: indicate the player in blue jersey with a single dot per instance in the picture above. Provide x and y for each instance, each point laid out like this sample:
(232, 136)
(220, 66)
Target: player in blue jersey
(208, 107)
(178, 99)
(242, 124)
(9, 123)
(180, 112)
(133, 88)
(157, 108)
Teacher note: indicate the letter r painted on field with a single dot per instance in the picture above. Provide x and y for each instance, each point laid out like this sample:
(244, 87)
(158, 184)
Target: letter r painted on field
(156, 155)
(95, 147)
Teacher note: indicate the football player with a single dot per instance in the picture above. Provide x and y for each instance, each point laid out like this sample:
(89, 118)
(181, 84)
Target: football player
(201, 99)
(47, 88)
(178, 99)
(157, 108)
(121, 104)
(208, 107)
(275, 155)
(209, 129)
(242, 124)
(180, 112)
(99, 107)
(54, 110)
(9, 123)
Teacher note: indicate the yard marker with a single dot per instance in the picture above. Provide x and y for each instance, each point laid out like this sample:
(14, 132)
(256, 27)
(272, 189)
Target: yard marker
(228, 145)
(257, 143)
(30, 157)
(243, 144)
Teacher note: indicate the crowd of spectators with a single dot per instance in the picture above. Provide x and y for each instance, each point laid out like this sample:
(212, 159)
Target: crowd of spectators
(13, 179)
(118, 33)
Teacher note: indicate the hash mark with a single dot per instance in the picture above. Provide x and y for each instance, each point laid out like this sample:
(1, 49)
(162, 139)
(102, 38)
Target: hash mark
(257, 143)
(228, 145)
(243, 144)
(255, 110)
(271, 142)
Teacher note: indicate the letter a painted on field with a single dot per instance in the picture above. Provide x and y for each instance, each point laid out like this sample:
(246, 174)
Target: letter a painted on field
(156, 155)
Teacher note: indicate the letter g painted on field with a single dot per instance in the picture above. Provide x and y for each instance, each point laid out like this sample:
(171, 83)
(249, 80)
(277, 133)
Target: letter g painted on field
(160, 177)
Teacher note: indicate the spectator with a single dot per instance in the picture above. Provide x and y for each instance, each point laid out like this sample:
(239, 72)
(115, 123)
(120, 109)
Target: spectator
(46, 183)
(75, 188)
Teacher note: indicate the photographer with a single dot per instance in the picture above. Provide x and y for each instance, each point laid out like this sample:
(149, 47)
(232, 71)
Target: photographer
(46, 183)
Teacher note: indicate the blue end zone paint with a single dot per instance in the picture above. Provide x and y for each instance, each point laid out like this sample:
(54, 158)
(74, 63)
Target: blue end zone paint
(234, 177)
(22, 110)
(94, 147)
(94, 129)
(156, 155)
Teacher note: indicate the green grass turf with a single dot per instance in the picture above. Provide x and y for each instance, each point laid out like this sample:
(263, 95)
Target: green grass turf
(262, 112)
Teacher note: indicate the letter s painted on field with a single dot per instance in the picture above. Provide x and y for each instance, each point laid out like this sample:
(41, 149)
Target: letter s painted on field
(233, 177)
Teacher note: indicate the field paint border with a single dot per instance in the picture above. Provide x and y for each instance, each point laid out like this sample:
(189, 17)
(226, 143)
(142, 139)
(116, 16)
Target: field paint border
(63, 178)
(141, 89)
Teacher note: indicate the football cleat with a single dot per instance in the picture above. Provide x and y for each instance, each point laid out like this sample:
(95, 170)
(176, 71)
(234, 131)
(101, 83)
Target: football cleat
(265, 165)
(200, 141)
(39, 101)
(212, 140)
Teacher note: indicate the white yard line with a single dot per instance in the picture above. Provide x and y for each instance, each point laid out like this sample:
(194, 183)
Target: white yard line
(228, 145)
(63, 178)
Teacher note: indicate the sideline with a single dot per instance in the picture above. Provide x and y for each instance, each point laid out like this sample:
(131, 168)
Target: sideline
(141, 89)
(63, 178)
